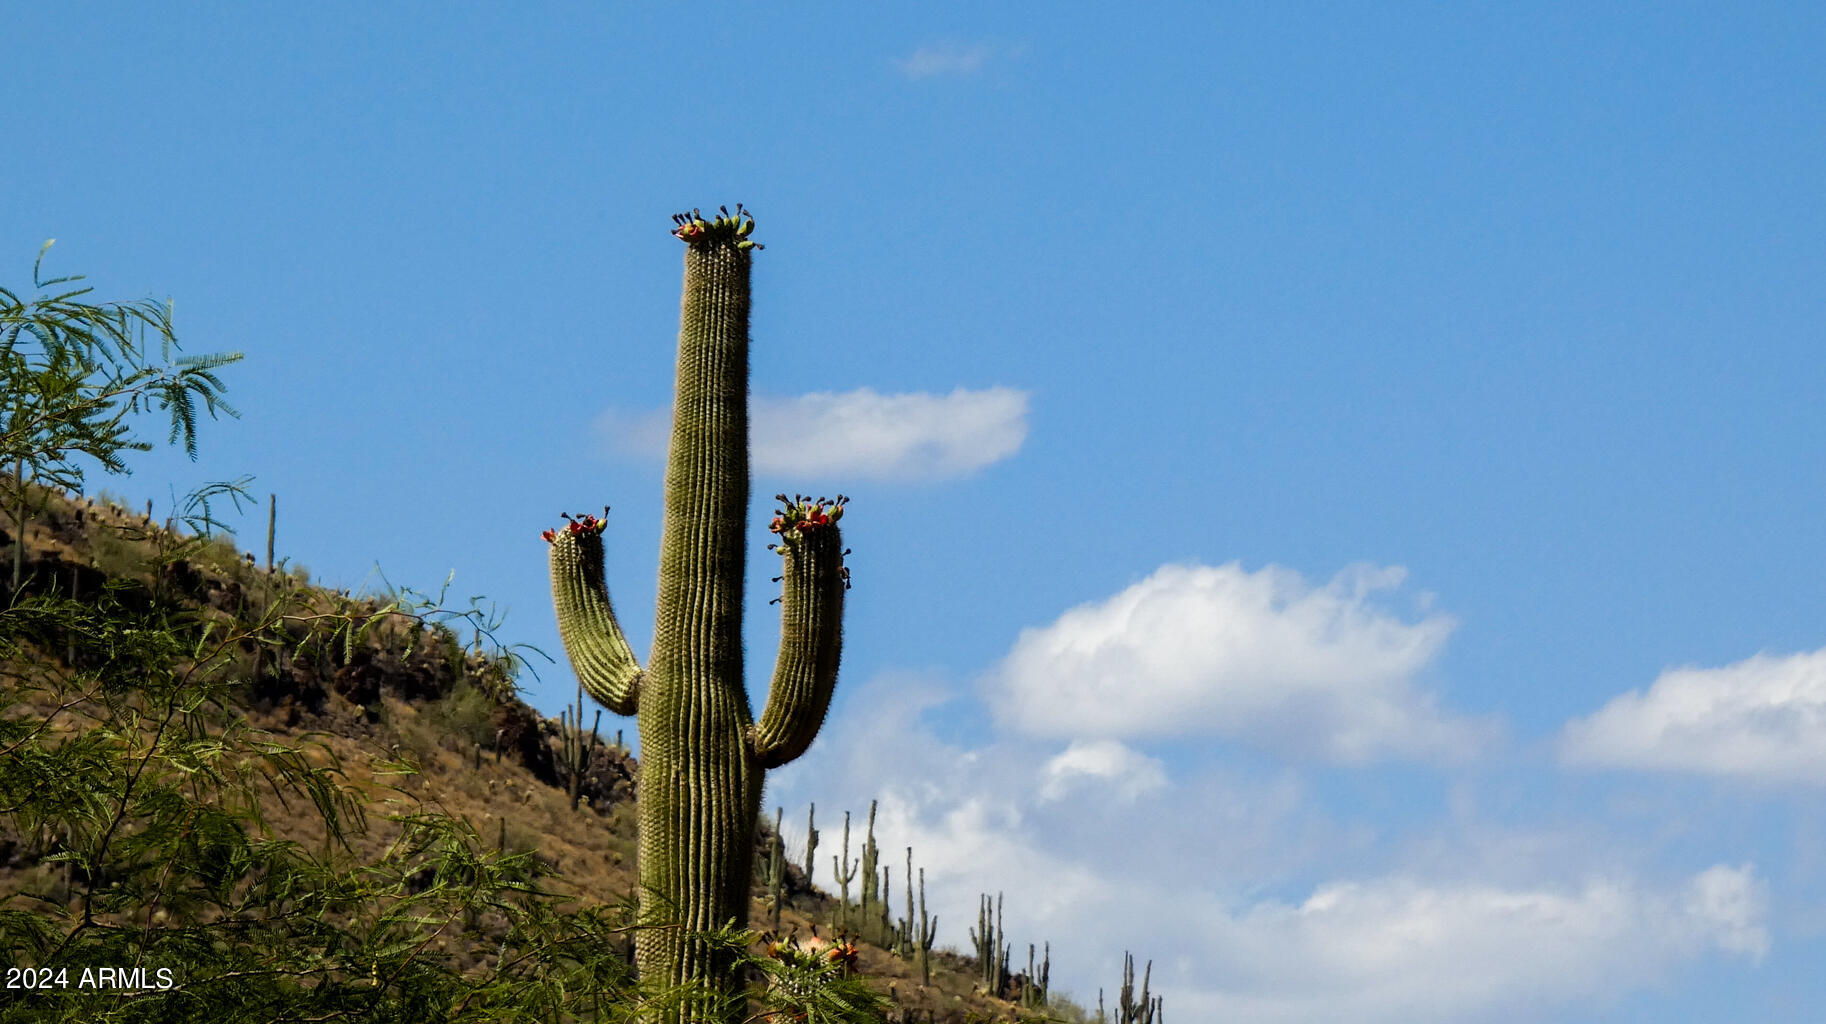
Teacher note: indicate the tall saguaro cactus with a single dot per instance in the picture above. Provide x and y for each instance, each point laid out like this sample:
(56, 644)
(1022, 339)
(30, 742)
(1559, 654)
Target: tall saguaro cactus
(703, 751)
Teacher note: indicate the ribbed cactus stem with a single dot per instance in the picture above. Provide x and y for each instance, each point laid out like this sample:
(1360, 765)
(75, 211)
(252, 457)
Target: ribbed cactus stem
(1148, 1006)
(1133, 1009)
(776, 870)
(1046, 973)
(871, 890)
(704, 753)
(577, 755)
(980, 938)
(811, 840)
(881, 921)
(875, 923)
(1027, 979)
(928, 931)
(1001, 962)
(845, 873)
(906, 925)
(991, 947)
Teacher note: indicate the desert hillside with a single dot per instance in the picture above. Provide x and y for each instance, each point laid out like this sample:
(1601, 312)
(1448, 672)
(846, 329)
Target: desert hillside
(374, 734)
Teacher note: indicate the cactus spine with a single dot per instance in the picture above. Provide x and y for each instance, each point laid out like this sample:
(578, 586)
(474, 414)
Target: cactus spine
(703, 751)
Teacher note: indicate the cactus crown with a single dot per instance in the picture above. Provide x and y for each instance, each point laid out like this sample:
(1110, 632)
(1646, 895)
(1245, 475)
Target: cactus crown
(696, 229)
(802, 514)
(580, 526)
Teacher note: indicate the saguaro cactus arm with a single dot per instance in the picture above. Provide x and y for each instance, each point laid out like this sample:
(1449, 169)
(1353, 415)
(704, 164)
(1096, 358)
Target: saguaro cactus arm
(811, 628)
(599, 653)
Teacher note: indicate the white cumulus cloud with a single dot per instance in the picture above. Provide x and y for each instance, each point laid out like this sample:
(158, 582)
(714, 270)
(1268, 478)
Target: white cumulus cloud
(1400, 949)
(1262, 657)
(1762, 719)
(1120, 771)
(864, 433)
(858, 434)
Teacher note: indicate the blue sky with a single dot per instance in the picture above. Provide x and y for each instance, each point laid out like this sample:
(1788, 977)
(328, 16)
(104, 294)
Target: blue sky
(1336, 491)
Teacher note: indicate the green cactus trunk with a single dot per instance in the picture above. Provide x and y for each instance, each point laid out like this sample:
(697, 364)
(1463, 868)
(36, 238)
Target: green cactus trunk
(700, 793)
(703, 755)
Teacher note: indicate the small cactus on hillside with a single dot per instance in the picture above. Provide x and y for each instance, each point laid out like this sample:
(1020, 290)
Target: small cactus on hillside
(576, 753)
(1035, 982)
(991, 946)
(845, 873)
(811, 840)
(776, 871)
(870, 893)
(873, 922)
(904, 934)
(1133, 1008)
(928, 931)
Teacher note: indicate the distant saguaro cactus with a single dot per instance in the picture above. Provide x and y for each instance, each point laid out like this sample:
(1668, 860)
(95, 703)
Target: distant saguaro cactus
(703, 752)
(811, 840)
(577, 755)
(928, 930)
(873, 923)
(991, 944)
(1131, 1009)
(776, 871)
(845, 873)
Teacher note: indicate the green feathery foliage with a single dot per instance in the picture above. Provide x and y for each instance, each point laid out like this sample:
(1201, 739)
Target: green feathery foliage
(72, 372)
